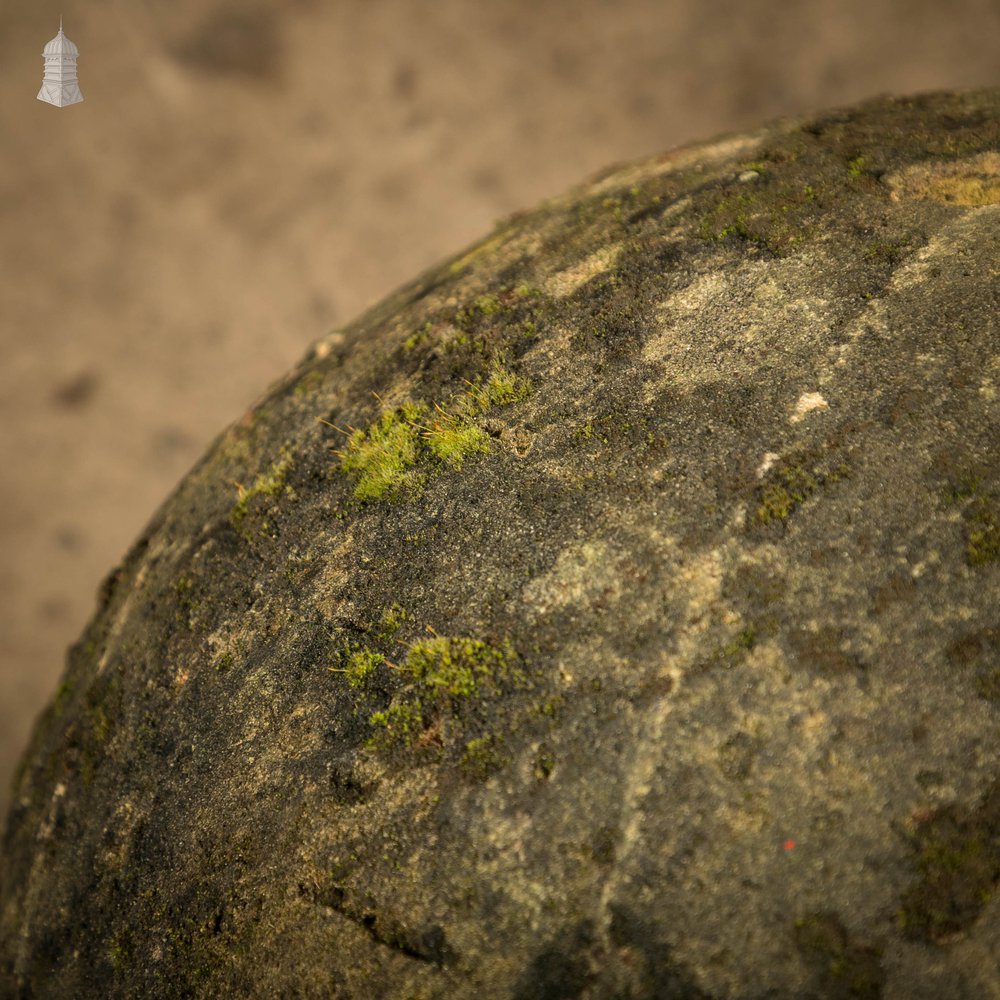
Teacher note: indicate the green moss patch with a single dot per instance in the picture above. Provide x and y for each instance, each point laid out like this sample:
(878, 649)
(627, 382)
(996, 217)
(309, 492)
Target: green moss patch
(393, 618)
(792, 481)
(982, 534)
(774, 215)
(483, 756)
(444, 681)
(782, 492)
(270, 483)
(382, 458)
(967, 485)
(395, 453)
(451, 438)
(360, 665)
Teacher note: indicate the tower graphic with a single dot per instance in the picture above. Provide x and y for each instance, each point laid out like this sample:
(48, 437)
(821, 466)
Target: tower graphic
(59, 85)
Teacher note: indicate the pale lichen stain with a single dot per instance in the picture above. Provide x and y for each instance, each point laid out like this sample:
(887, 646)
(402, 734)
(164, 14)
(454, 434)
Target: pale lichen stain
(703, 290)
(973, 182)
(567, 281)
(583, 572)
(770, 457)
(806, 403)
(988, 387)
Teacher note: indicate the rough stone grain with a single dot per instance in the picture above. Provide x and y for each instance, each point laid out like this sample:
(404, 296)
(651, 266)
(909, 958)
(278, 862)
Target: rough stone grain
(612, 612)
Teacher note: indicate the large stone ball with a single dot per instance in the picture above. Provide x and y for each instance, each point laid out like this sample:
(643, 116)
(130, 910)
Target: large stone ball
(612, 612)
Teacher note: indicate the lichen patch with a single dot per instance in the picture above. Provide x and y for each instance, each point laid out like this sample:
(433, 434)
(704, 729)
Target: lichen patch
(699, 339)
(701, 582)
(770, 457)
(567, 281)
(722, 149)
(583, 572)
(974, 181)
(699, 293)
(805, 404)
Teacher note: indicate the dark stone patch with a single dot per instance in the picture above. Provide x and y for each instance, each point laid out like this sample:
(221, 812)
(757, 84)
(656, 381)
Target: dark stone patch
(404, 81)
(561, 971)
(977, 654)
(753, 585)
(642, 950)
(898, 587)
(821, 651)
(842, 969)
(956, 850)
(70, 538)
(737, 755)
(235, 42)
(76, 392)
(424, 944)
(613, 311)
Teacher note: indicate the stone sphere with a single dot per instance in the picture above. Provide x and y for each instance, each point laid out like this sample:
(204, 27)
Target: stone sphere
(612, 612)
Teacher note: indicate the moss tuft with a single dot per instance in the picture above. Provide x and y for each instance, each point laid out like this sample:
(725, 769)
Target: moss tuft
(452, 668)
(392, 620)
(361, 664)
(982, 536)
(403, 721)
(418, 336)
(482, 757)
(357, 663)
(501, 388)
(856, 168)
(787, 488)
(444, 677)
(741, 643)
(269, 483)
(384, 458)
(452, 439)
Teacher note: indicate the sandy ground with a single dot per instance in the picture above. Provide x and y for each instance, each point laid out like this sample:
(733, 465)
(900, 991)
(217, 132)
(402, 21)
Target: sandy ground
(242, 177)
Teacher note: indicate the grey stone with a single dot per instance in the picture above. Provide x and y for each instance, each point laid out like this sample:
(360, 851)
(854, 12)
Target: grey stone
(612, 612)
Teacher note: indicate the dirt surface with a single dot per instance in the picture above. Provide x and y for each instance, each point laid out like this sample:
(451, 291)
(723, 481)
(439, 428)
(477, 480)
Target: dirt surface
(242, 178)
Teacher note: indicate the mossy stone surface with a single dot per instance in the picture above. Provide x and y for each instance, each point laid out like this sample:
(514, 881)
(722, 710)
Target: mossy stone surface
(612, 612)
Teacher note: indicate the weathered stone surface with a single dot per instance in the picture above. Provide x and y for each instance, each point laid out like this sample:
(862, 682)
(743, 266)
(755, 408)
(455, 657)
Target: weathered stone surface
(613, 612)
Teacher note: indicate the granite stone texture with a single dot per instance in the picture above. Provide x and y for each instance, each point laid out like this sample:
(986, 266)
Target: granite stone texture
(614, 611)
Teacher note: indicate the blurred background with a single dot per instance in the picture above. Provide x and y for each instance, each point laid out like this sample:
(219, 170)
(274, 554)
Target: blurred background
(245, 175)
